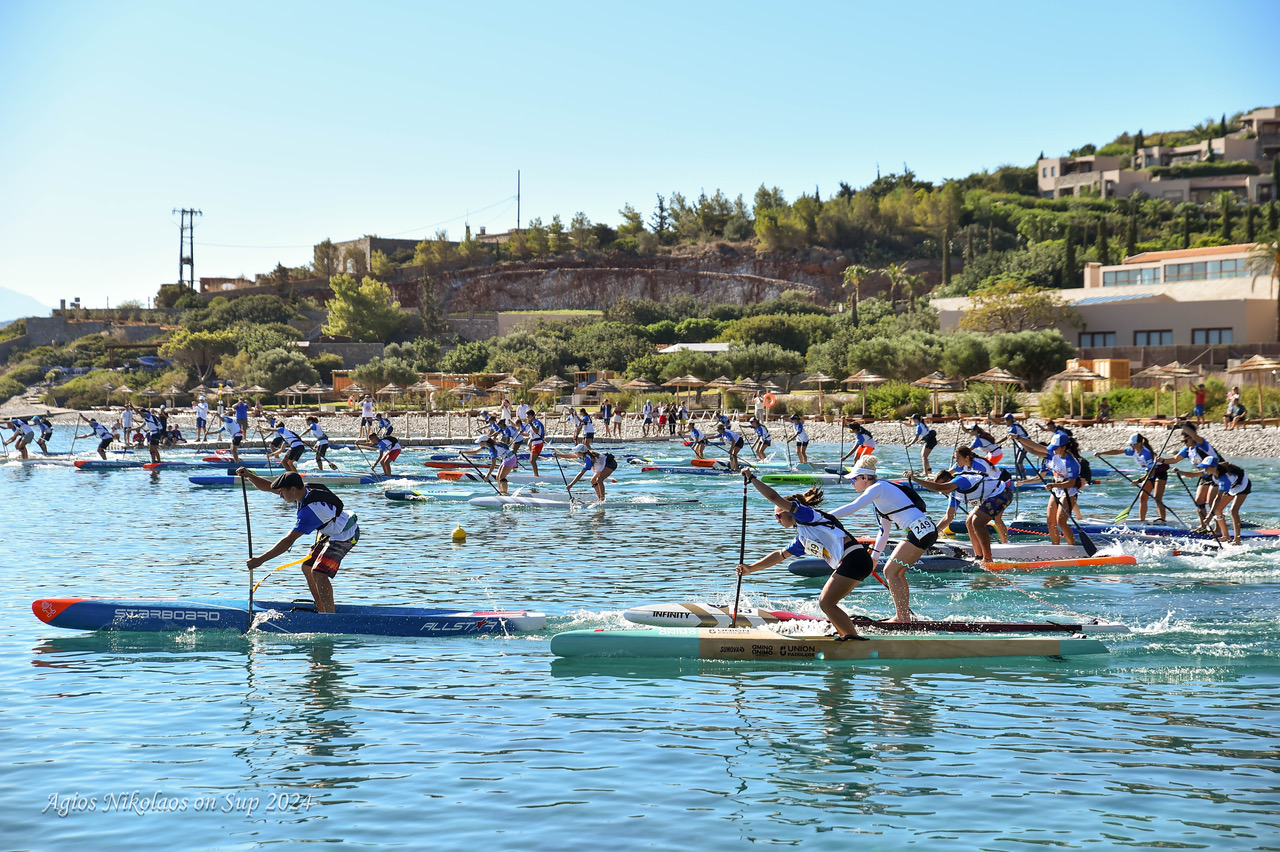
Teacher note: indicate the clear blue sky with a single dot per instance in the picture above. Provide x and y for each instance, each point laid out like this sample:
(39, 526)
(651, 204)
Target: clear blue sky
(289, 122)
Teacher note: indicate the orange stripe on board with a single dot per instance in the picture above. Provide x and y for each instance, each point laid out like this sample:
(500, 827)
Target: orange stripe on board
(47, 609)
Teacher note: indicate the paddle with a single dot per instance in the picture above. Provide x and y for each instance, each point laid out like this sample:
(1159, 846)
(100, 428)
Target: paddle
(495, 488)
(911, 465)
(1123, 516)
(1089, 547)
(280, 568)
(567, 490)
(1159, 502)
(742, 551)
(265, 446)
(76, 433)
(248, 529)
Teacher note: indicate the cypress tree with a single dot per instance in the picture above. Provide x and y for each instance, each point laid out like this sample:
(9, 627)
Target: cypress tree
(991, 236)
(1222, 127)
(1104, 245)
(1228, 211)
(946, 255)
(1131, 235)
(1248, 224)
(968, 247)
(1069, 261)
(1186, 229)
(1273, 215)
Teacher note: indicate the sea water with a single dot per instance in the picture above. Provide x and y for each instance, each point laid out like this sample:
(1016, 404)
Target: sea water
(220, 741)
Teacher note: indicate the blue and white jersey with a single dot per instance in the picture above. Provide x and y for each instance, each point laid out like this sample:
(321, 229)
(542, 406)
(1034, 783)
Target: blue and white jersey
(102, 431)
(802, 437)
(322, 440)
(152, 423)
(984, 446)
(864, 439)
(762, 433)
(387, 443)
(1200, 452)
(588, 428)
(1143, 457)
(505, 456)
(233, 426)
(973, 487)
(819, 537)
(730, 437)
(290, 437)
(1016, 430)
(696, 436)
(324, 518)
(46, 429)
(892, 506)
(383, 424)
(536, 431)
(923, 431)
(1064, 468)
(1229, 483)
(982, 466)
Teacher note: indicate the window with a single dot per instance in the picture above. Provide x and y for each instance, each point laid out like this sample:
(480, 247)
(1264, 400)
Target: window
(1211, 335)
(1044, 172)
(1097, 338)
(1153, 338)
(1053, 171)
(1142, 275)
(1204, 271)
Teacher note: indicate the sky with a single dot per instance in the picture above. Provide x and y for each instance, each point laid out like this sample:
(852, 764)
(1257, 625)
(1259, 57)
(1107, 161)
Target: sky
(289, 122)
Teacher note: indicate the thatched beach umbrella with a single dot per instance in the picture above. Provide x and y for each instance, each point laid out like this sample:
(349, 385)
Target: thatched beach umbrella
(602, 386)
(688, 381)
(1158, 374)
(1072, 375)
(392, 390)
(936, 382)
(355, 389)
(643, 385)
(1256, 365)
(862, 378)
(721, 384)
(818, 379)
(999, 377)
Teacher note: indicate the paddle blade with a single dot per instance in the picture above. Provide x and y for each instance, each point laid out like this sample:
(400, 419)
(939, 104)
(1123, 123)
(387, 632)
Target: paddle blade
(1089, 547)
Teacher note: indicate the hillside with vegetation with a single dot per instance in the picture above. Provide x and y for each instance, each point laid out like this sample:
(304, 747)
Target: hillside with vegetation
(882, 251)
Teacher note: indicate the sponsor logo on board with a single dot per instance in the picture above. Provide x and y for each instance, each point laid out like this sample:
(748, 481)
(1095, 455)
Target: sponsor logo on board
(169, 614)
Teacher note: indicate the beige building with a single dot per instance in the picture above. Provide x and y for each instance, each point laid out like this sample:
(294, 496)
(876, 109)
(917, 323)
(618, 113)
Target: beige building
(1202, 296)
(1257, 142)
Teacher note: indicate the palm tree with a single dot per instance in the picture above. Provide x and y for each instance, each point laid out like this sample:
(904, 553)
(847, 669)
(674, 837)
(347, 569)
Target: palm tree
(1224, 202)
(1264, 259)
(897, 279)
(853, 278)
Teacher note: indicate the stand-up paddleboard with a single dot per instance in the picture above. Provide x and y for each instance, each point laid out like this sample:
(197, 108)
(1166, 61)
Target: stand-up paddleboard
(1061, 564)
(551, 500)
(317, 478)
(760, 645)
(409, 495)
(1114, 530)
(707, 615)
(154, 615)
(472, 476)
(138, 464)
(1016, 552)
(805, 479)
(688, 470)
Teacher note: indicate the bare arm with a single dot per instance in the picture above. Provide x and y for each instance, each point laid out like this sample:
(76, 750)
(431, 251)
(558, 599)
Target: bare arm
(767, 492)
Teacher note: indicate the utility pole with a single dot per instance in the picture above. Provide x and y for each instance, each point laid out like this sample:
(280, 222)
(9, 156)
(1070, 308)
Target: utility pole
(187, 248)
(517, 201)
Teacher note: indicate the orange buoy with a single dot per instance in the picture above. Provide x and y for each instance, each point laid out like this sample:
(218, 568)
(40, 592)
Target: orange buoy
(770, 399)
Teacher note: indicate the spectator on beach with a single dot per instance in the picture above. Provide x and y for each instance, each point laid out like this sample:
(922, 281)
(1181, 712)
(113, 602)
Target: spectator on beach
(1198, 411)
(1236, 415)
(1103, 412)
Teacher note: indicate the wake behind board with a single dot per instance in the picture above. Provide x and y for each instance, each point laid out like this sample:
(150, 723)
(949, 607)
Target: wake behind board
(760, 645)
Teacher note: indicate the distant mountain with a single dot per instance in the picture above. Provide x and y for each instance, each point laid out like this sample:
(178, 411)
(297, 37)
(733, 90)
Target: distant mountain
(15, 305)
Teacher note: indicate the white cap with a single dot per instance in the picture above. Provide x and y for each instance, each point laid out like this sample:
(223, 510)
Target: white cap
(581, 448)
(1135, 438)
(865, 466)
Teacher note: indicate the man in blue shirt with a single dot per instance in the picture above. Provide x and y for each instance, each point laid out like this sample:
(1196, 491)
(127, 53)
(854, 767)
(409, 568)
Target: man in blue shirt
(320, 512)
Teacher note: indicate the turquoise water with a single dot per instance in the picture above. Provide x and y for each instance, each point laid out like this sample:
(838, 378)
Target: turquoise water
(180, 741)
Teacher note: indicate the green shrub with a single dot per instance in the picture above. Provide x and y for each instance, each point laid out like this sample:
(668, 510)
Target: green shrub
(896, 399)
(27, 374)
(10, 388)
(1188, 170)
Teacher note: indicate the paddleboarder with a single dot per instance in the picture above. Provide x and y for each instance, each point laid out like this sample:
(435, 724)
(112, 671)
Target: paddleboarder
(104, 435)
(320, 512)
(927, 437)
(536, 432)
(864, 442)
(802, 440)
(42, 423)
(985, 445)
(697, 440)
(231, 425)
(294, 442)
(1233, 487)
(984, 499)
(1015, 431)
(155, 430)
(820, 535)
(894, 505)
(1196, 450)
(1155, 474)
(322, 442)
(600, 465)
(763, 439)
(733, 443)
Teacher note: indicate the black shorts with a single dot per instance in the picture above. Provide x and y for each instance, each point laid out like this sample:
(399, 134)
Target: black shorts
(738, 444)
(856, 564)
(930, 441)
(802, 443)
(154, 439)
(1160, 473)
(765, 442)
(104, 443)
(928, 541)
(237, 440)
(321, 449)
(296, 452)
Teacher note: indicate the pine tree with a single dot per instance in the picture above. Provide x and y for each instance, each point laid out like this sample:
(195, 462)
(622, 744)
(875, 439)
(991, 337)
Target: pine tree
(968, 246)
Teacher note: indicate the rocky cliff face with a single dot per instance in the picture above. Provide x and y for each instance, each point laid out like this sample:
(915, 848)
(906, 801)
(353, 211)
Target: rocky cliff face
(718, 273)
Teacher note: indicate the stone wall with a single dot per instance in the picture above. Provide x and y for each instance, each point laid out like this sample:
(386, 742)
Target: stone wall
(8, 347)
(56, 330)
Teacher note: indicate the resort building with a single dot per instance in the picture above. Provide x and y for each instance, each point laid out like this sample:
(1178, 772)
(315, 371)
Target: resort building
(1170, 172)
(1191, 297)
